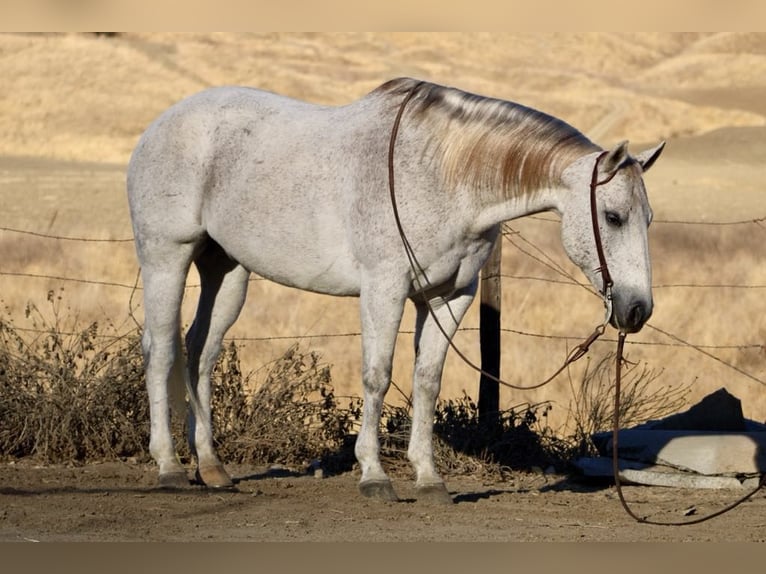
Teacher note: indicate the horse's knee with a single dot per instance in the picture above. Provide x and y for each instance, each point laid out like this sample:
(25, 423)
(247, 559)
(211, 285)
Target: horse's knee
(375, 372)
(427, 383)
(375, 380)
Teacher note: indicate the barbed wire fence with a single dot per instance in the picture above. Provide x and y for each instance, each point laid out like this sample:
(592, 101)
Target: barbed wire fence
(510, 235)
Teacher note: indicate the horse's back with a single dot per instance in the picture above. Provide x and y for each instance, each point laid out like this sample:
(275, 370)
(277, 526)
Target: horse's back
(198, 128)
(264, 175)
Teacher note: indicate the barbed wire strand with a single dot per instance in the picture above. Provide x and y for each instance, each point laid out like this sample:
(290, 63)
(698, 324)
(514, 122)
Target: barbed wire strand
(707, 354)
(760, 221)
(66, 279)
(509, 234)
(757, 221)
(65, 238)
(135, 287)
(253, 279)
(265, 338)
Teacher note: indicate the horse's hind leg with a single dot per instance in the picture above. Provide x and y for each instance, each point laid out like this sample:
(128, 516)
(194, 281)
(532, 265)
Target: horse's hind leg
(381, 306)
(224, 287)
(432, 346)
(163, 292)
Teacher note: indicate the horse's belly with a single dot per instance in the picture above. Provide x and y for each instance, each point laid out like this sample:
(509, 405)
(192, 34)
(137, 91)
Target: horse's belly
(304, 269)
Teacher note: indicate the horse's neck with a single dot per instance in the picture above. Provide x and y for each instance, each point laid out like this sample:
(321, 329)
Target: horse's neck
(499, 183)
(495, 211)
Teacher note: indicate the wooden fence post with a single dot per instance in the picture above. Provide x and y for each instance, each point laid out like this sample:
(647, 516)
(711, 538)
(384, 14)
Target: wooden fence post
(489, 334)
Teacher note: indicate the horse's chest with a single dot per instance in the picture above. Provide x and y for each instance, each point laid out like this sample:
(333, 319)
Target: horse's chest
(458, 267)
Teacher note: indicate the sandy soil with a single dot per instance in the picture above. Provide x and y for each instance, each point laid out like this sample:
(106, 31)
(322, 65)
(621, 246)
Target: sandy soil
(117, 502)
(72, 107)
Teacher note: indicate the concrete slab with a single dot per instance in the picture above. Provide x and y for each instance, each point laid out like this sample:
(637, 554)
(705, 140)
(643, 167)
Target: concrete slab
(601, 466)
(632, 472)
(711, 445)
(680, 479)
(705, 452)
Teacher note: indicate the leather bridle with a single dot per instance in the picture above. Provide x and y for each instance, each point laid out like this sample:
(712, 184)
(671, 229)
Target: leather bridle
(603, 268)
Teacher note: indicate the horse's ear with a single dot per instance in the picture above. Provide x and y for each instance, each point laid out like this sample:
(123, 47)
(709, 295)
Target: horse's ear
(648, 157)
(615, 158)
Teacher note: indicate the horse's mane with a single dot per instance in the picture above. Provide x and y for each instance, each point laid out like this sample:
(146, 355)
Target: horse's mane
(492, 145)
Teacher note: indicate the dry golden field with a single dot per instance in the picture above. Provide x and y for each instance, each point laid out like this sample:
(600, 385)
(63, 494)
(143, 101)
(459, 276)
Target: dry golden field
(72, 107)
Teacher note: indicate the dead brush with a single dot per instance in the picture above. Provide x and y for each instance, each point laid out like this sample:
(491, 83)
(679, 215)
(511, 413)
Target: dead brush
(74, 394)
(293, 417)
(591, 408)
(467, 444)
(69, 393)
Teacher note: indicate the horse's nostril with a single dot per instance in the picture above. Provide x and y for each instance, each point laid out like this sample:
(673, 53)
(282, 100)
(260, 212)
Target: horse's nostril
(637, 314)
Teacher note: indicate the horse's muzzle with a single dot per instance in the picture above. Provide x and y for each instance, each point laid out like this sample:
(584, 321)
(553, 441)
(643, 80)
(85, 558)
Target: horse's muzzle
(631, 314)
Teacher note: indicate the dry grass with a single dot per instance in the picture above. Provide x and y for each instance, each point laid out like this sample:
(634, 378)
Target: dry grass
(579, 77)
(293, 417)
(74, 391)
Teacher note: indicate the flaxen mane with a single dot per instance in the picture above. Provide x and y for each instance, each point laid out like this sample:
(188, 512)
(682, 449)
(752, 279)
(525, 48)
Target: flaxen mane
(493, 145)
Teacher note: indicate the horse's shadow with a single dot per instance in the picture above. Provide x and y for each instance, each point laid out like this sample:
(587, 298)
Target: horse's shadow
(566, 483)
(473, 497)
(278, 472)
(574, 483)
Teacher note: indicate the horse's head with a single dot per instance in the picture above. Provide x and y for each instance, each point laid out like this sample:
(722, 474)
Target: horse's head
(623, 215)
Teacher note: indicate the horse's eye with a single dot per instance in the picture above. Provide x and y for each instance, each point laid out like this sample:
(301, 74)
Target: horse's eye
(613, 219)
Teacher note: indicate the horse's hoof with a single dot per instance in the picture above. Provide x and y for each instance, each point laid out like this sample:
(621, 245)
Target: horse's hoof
(176, 479)
(381, 489)
(435, 493)
(214, 477)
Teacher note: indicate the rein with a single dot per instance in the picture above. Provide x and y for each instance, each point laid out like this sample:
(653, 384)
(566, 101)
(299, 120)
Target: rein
(579, 350)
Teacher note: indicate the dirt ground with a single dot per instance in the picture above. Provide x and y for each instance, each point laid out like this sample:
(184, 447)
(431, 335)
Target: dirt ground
(118, 502)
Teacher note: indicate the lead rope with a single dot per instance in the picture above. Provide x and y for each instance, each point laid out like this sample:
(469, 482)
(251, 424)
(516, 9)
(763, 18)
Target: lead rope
(575, 354)
(616, 466)
(579, 350)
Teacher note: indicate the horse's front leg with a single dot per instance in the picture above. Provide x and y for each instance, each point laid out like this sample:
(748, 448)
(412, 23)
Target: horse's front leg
(381, 307)
(431, 347)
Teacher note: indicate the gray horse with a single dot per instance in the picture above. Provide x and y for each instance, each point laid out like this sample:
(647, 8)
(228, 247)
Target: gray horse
(239, 180)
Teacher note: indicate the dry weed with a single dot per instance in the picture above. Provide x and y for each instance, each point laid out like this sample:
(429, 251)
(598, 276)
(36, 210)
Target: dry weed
(293, 417)
(641, 399)
(69, 393)
(466, 444)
